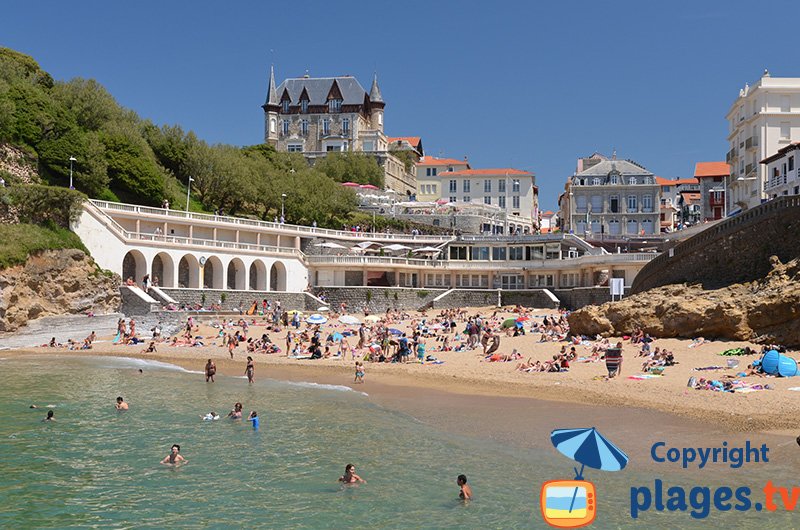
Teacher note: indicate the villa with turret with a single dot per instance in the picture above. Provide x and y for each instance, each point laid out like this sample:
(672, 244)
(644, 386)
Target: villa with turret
(319, 115)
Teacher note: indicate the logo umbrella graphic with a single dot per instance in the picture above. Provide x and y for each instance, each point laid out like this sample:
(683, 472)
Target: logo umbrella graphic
(589, 448)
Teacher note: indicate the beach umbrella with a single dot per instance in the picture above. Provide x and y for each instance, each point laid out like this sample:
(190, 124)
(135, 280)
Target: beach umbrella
(351, 184)
(589, 448)
(509, 323)
(330, 244)
(395, 331)
(523, 318)
(395, 247)
(349, 320)
(316, 319)
(337, 337)
(369, 187)
(372, 318)
(323, 309)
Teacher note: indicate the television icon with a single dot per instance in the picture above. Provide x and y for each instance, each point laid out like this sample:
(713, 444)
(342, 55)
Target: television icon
(568, 503)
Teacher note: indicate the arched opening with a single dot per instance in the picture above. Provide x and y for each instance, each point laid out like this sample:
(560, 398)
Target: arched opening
(258, 276)
(162, 272)
(213, 273)
(134, 266)
(189, 272)
(236, 275)
(277, 277)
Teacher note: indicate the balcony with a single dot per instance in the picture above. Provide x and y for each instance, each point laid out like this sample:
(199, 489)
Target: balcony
(751, 142)
(748, 168)
(716, 199)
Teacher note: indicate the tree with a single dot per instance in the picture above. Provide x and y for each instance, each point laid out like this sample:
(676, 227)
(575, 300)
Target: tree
(89, 102)
(351, 167)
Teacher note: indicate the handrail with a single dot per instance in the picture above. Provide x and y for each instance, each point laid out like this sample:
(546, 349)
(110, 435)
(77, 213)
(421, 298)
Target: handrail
(305, 230)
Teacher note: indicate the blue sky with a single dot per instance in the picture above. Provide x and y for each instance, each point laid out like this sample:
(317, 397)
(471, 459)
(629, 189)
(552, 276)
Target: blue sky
(523, 84)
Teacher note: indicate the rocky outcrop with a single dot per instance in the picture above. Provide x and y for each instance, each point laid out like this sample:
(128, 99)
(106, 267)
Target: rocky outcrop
(766, 311)
(55, 282)
(17, 165)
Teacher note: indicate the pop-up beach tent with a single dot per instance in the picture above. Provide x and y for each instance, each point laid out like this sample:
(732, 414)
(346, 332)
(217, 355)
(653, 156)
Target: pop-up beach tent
(776, 364)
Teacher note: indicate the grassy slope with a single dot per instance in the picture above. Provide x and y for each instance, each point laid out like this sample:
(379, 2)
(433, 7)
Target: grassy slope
(18, 241)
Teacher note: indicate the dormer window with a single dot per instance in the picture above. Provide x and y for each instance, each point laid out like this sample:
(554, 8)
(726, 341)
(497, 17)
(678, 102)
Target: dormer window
(285, 105)
(632, 180)
(335, 105)
(304, 106)
(595, 181)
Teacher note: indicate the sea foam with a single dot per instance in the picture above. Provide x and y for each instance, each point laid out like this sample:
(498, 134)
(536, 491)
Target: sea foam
(322, 386)
(132, 362)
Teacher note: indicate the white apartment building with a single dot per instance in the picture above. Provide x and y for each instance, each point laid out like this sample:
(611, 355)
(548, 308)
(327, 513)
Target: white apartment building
(512, 190)
(763, 119)
(430, 174)
(782, 173)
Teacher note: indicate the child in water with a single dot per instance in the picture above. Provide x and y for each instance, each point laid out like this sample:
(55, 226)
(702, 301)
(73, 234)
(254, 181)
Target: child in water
(254, 419)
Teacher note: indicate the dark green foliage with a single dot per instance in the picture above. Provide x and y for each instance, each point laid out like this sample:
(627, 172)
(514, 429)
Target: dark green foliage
(351, 167)
(43, 204)
(18, 241)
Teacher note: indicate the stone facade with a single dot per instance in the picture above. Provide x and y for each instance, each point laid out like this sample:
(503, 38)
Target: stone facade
(236, 300)
(378, 299)
(733, 251)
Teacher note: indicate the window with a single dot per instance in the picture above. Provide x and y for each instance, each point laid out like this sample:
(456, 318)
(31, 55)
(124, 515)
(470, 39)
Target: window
(431, 172)
(515, 186)
(304, 127)
(285, 126)
(499, 253)
(335, 105)
(501, 186)
(536, 252)
(632, 203)
(479, 253)
(346, 126)
(467, 198)
(597, 203)
(514, 202)
(452, 199)
(501, 201)
(580, 204)
(453, 186)
(647, 203)
(326, 126)
(487, 199)
(487, 186)
(784, 130)
(552, 251)
(786, 105)
(458, 253)
(295, 148)
(595, 181)
(613, 204)
(632, 180)
(433, 188)
(791, 163)
(273, 125)
(304, 106)
(516, 253)
(285, 105)
(614, 179)
(465, 186)
(369, 146)
(613, 227)
(632, 226)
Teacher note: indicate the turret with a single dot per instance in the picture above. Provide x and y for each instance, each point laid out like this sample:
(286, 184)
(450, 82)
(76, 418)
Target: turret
(376, 104)
(271, 107)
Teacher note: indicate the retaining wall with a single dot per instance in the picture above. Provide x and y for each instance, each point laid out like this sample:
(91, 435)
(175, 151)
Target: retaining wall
(235, 300)
(377, 299)
(734, 251)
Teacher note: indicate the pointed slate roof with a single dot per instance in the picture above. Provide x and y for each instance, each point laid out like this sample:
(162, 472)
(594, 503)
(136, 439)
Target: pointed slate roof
(318, 89)
(272, 94)
(375, 92)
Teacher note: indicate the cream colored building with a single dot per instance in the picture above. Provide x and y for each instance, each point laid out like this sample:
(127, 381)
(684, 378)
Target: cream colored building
(763, 119)
(430, 174)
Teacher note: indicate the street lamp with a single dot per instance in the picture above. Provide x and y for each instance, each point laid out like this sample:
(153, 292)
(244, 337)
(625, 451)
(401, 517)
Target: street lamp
(188, 190)
(283, 198)
(71, 160)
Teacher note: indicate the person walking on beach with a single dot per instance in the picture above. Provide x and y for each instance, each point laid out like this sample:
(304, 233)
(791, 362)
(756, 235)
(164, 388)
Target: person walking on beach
(250, 371)
(465, 492)
(174, 458)
(120, 405)
(359, 372)
(231, 344)
(350, 476)
(211, 369)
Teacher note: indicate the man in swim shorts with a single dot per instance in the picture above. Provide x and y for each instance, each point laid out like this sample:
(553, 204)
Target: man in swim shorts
(121, 405)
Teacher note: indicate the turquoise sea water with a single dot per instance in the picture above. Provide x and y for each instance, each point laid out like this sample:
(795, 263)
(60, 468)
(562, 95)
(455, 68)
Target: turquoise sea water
(95, 467)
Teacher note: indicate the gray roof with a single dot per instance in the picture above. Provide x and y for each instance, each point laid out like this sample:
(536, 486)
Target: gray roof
(272, 95)
(375, 92)
(319, 87)
(623, 167)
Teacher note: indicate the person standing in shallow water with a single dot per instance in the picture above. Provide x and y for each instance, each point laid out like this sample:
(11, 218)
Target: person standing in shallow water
(465, 492)
(250, 371)
(210, 370)
(174, 458)
(121, 405)
(350, 476)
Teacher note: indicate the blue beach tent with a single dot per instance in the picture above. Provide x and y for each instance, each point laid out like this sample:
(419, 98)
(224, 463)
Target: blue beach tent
(774, 363)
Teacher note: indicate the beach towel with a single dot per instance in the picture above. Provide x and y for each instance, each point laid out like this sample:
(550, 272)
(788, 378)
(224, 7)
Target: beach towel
(116, 339)
(641, 377)
(708, 368)
(735, 352)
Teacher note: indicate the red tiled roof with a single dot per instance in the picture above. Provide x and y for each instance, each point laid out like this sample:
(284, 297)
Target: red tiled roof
(675, 182)
(548, 213)
(434, 161)
(492, 171)
(413, 140)
(711, 169)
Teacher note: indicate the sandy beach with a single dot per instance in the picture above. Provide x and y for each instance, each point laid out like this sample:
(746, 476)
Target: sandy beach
(466, 373)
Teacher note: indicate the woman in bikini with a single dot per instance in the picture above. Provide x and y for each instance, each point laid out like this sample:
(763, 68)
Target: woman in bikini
(250, 371)
(211, 369)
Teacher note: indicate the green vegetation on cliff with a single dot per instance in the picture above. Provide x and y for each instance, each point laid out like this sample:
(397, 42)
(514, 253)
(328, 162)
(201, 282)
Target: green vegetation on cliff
(20, 240)
(123, 157)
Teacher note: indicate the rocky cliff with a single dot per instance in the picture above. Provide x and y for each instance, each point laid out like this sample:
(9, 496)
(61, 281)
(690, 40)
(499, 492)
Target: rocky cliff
(765, 310)
(55, 282)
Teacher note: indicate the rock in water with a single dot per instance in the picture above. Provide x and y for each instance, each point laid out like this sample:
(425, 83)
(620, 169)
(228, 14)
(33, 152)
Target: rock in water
(55, 282)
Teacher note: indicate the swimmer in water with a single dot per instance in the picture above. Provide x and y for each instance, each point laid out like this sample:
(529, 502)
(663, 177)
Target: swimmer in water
(50, 416)
(174, 458)
(254, 419)
(211, 416)
(466, 492)
(236, 413)
(121, 405)
(350, 476)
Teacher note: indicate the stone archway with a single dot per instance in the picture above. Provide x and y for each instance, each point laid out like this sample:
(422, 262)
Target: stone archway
(134, 266)
(258, 276)
(213, 273)
(189, 272)
(236, 277)
(277, 277)
(162, 271)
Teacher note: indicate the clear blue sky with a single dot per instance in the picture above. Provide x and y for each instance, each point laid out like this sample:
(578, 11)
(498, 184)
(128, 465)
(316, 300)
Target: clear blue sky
(523, 84)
